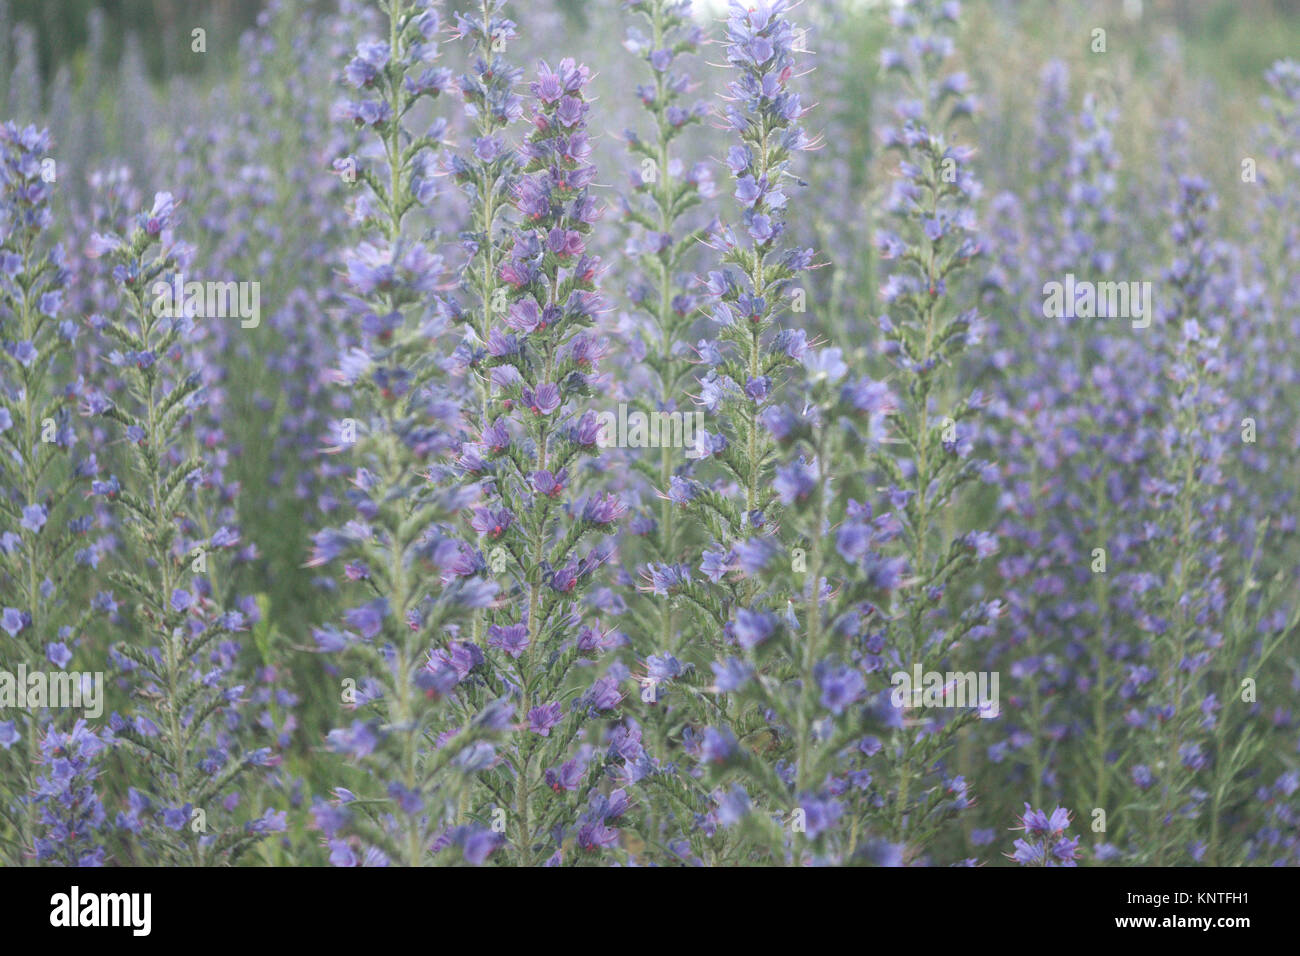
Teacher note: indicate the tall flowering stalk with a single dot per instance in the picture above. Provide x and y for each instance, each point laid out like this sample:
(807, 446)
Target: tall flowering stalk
(1206, 651)
(1089, 239)
(546, 506)
(731, 494)
(402, 560)
(1269, 317)
(1186, 601)
(1269, 377)
(752, 571)
(1067, 444)
(486, 175)
(925, 332)
(187, 761)
(664, 191)
(41, 521)
(745, 363)
(663, 243)
(797, 772)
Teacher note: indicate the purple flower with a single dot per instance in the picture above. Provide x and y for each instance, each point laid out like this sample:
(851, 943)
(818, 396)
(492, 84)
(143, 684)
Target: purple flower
(568, 776)
(512, 639)
(543, 400)
(58, 654)
(25, 353)
(731, 674)
(604, 694)
(603, 510)
(357, 741)
(717, 745)
(477, 844)
(750, 628)
(542, 719)
(368, 619)
(795, 482)
(159, 217)
(13, 621)
(840, 686)
(34, 517)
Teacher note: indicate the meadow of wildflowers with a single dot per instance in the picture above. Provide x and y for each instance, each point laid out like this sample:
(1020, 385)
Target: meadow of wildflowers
(651, 433)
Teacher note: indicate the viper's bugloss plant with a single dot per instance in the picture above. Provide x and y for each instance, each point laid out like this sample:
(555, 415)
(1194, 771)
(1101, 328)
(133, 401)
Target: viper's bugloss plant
(738, 602)
(543, 528)
(1206, 651)
(1271, 295)
(665, 187)
(743, 370)
(269, 216)
(1071, 441)
(43, 521)
(801, 784)
(186, 738)
(926, 329)
(1185, 602)
(660, 208)
(38, 507)
(407, 583)
(486, 174)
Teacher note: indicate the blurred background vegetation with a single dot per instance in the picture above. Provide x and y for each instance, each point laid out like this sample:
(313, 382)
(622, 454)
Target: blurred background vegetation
(63, 28)
(1238, 38)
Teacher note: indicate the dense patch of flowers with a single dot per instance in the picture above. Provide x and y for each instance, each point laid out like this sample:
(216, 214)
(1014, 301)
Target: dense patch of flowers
(649, 456)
